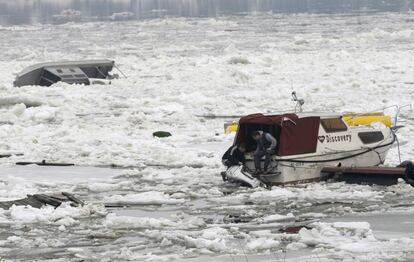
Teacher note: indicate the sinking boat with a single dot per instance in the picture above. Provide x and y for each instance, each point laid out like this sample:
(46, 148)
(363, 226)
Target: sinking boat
(71, 72)
(40, 200)
(310, 142)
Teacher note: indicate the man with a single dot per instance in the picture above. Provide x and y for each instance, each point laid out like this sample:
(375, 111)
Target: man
(266, 146)
(234, 156)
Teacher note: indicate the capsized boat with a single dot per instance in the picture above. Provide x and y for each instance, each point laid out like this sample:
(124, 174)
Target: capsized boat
(71, 72)
(309, 142)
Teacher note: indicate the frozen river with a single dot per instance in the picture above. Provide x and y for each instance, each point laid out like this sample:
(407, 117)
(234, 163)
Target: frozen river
(180, 70)
(46, 11)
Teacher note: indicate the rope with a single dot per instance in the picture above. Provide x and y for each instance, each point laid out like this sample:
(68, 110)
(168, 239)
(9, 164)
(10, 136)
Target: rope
(339, 158)
(398, 146)
(99, 71)
(120, 71)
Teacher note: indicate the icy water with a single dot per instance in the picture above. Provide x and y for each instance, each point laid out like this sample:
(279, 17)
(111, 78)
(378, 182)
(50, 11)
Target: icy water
(181, 71)
(176, 218)
(44, 11)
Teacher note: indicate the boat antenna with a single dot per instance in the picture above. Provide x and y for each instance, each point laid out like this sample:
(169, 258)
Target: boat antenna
(299, 102)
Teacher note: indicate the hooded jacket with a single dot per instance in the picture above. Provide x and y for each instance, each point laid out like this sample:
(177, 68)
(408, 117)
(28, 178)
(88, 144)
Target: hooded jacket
(234, 156)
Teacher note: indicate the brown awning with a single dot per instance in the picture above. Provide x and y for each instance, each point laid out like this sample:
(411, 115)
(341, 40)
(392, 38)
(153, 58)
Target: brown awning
(295, 135)
(261, 119)
(299, 138)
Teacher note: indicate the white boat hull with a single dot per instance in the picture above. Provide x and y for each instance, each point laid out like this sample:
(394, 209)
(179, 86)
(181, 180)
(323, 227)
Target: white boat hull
(286, 172)
(307, 168)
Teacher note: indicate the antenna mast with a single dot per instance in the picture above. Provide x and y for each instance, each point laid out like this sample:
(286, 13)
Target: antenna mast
(299, 102)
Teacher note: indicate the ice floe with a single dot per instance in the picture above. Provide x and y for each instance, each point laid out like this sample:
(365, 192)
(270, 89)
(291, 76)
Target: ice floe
(181, 73)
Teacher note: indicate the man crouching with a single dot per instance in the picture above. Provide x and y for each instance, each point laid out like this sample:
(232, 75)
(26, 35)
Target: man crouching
(266, 146)
(234, 156)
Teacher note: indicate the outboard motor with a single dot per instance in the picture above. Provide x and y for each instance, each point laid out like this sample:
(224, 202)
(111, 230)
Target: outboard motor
(236, 174)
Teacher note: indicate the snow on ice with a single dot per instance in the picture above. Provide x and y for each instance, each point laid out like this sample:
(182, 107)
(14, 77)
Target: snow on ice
(179, 70)
(145, 198)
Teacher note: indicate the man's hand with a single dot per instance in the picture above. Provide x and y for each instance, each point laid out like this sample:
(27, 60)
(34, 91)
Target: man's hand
(269, 151)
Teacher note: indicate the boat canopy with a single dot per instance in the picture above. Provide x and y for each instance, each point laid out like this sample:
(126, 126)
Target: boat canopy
(295, 135)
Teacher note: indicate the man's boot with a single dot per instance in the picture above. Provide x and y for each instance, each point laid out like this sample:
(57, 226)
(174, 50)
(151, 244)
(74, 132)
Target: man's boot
(257, 172)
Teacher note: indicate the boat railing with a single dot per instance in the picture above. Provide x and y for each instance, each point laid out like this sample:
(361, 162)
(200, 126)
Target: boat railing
(397, 112)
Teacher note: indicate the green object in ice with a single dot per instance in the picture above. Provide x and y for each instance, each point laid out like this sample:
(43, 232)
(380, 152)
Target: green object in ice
(161, 134)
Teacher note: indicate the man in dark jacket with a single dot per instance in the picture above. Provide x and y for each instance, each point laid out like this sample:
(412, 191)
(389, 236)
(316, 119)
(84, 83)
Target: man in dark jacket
(266, 146)
(234, 156)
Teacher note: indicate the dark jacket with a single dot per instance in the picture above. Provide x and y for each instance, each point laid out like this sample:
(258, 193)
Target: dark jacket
(233, 156)
(267, 141)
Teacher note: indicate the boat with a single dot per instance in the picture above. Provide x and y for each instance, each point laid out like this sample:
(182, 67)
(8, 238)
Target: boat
(71, 72)
(310, 142)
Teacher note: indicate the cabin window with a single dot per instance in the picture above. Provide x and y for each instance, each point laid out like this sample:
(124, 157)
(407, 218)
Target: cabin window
(59, 71)
(66, 76)
(332, 125)
(371, 137)
(48, 78)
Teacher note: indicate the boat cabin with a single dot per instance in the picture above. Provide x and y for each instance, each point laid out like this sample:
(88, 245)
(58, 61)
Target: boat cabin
(301, 134)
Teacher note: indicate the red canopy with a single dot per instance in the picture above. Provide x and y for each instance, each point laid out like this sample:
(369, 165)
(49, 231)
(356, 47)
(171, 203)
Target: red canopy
(295, 135)
(261, 119)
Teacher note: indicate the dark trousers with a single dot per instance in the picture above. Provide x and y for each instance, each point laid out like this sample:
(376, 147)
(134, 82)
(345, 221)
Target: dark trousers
(258, 156)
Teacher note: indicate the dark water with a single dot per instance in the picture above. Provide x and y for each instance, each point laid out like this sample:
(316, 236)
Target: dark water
(13, 12)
